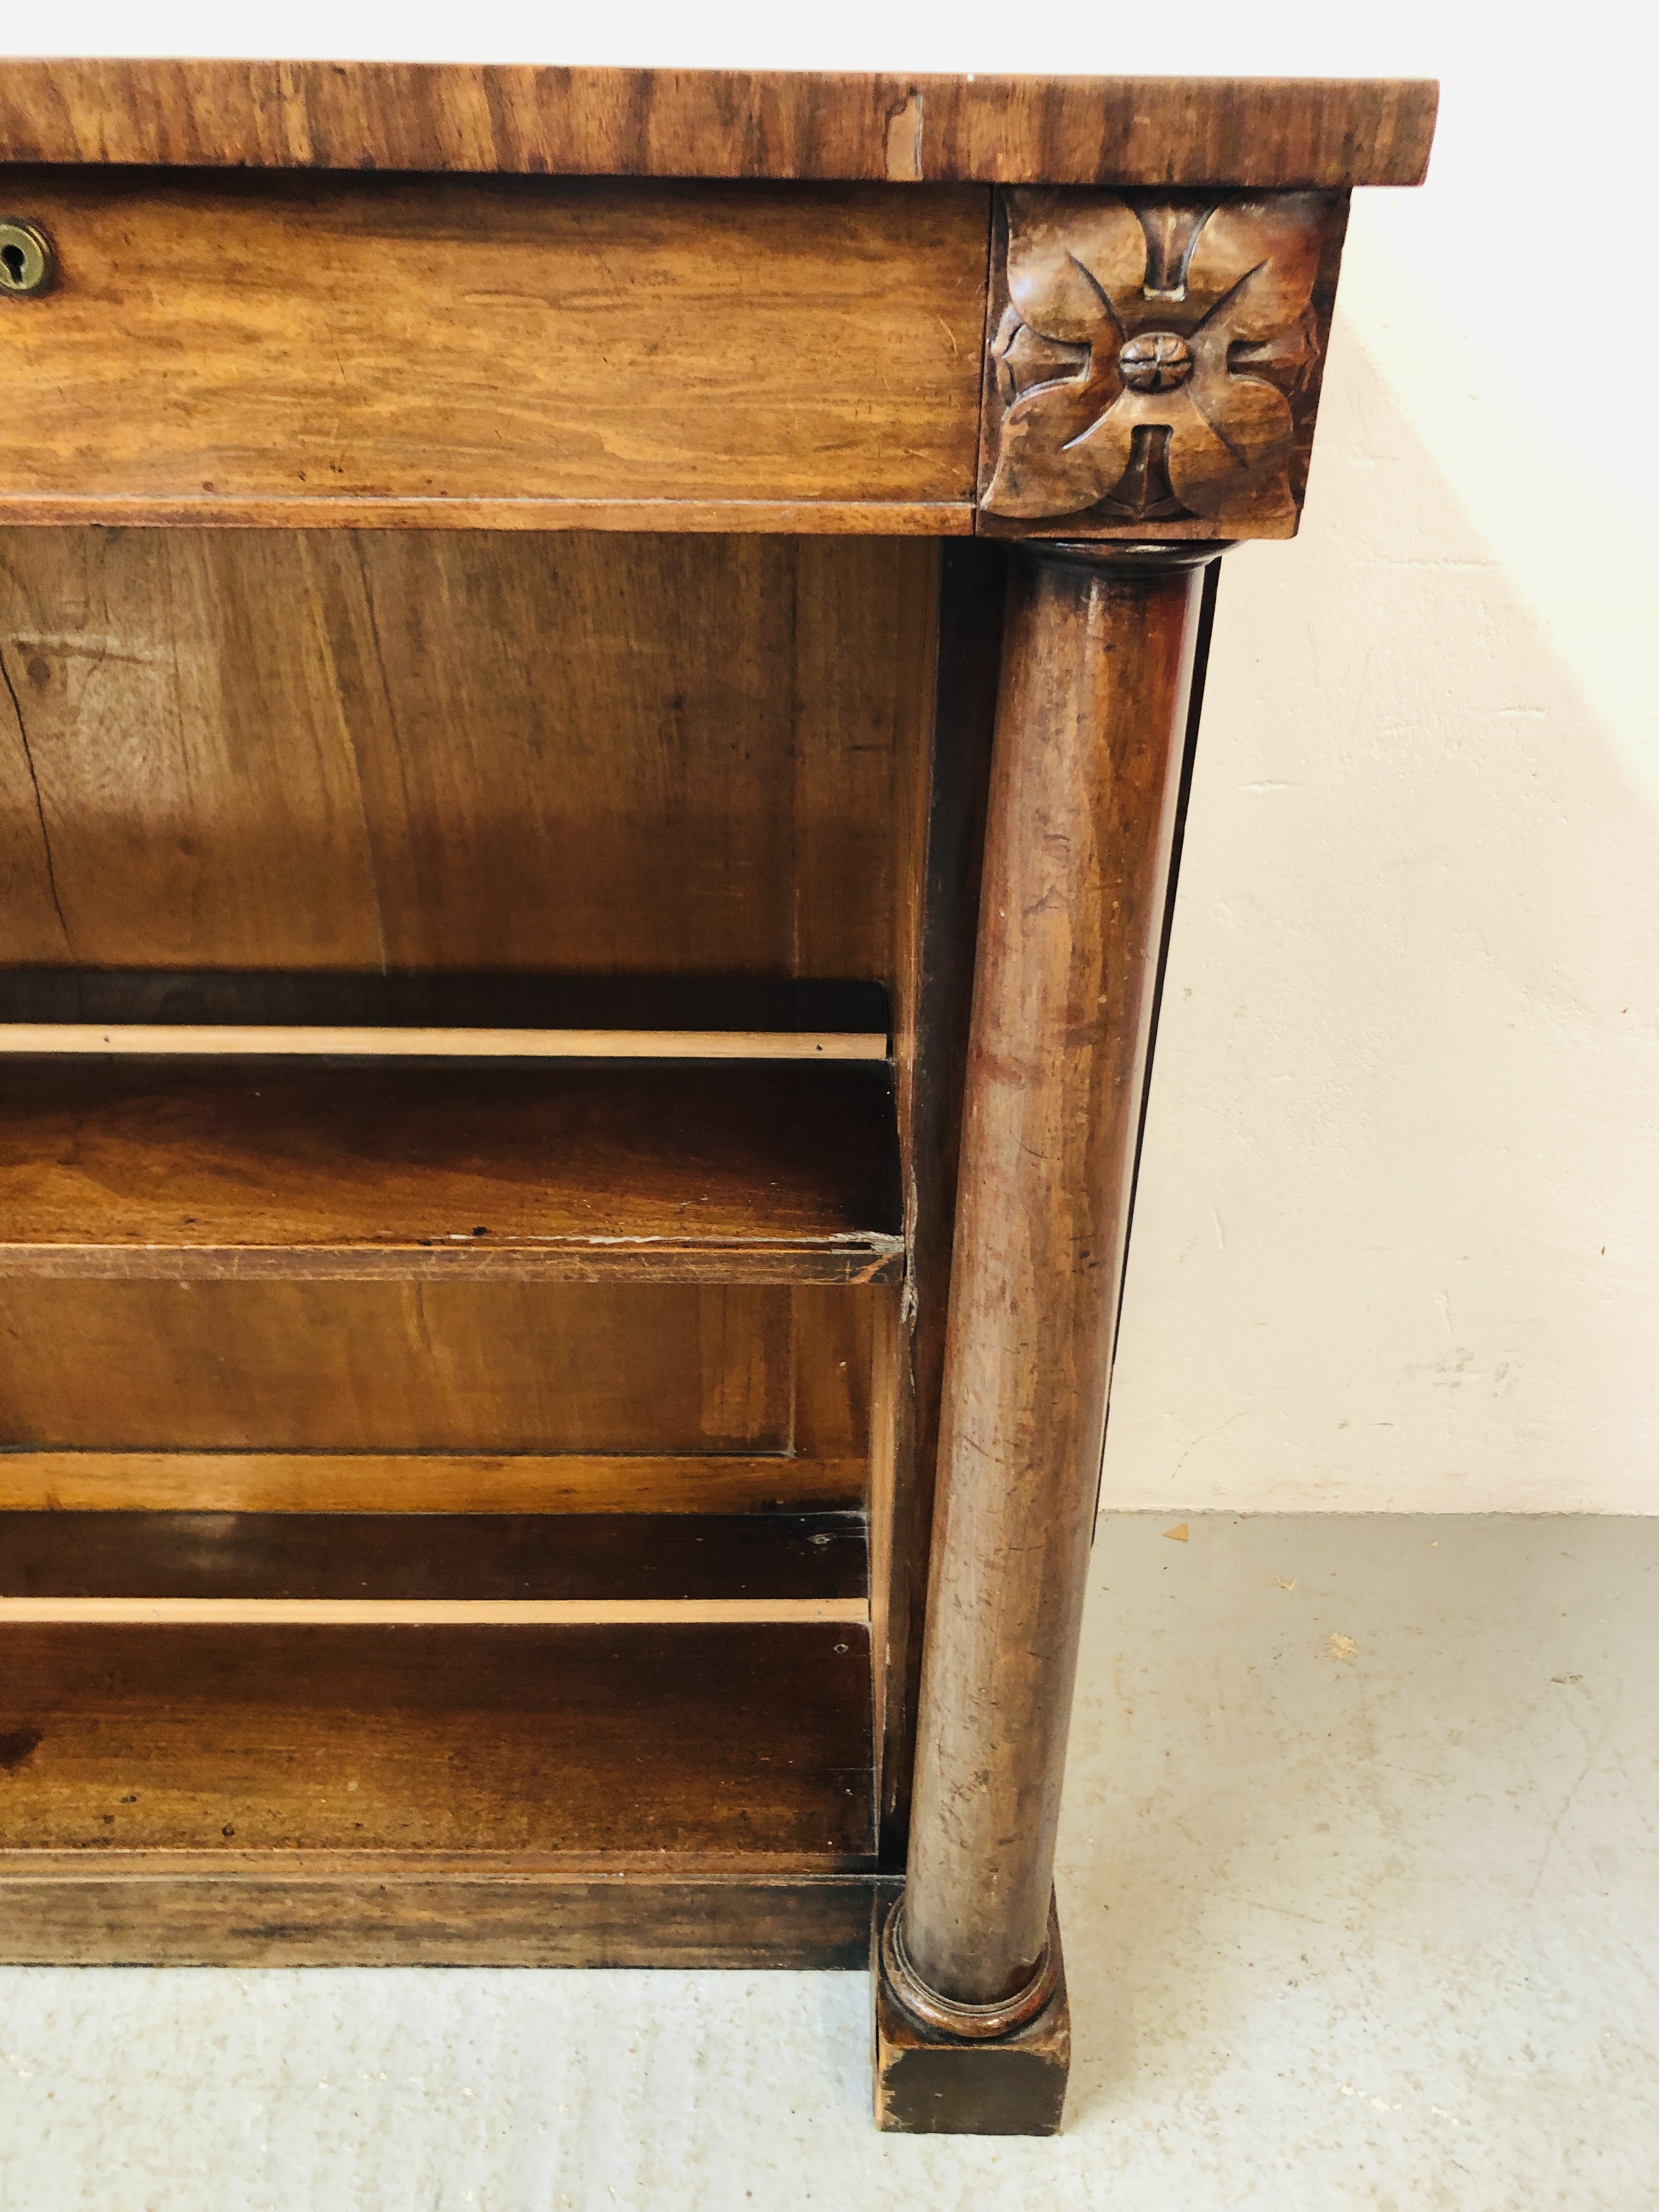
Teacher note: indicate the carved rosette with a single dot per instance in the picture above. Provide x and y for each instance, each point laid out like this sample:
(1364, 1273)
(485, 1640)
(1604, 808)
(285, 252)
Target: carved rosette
(1154, 370)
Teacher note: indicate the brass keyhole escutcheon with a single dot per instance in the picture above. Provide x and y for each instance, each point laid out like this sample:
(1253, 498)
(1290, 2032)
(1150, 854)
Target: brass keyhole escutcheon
(27, 262)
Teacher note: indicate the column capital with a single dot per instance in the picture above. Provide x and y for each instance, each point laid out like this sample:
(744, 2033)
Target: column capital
(1124, 556)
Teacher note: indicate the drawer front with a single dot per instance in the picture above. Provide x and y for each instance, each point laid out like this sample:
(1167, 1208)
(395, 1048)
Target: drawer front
(494, 350)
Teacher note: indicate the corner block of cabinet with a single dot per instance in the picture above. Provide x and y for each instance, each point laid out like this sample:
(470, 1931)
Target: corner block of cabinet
(1153, 361)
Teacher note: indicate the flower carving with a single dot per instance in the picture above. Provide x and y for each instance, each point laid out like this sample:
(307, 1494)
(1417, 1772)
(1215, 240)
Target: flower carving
(1157, 362)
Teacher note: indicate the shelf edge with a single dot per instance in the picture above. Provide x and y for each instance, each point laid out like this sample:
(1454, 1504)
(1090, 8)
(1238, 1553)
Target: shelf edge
(434, 1612)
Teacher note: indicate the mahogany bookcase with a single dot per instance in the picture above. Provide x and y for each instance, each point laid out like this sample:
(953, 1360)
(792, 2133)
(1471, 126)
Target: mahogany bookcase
(598, 668)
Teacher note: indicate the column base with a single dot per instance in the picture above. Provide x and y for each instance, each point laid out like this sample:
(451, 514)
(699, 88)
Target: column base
(929, 2083)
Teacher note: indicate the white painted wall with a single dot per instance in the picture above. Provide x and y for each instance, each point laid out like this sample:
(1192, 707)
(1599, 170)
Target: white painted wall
(1398, 1240)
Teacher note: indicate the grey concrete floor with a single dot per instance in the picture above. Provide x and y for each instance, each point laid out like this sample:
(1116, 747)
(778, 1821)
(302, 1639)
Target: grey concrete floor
(1360, 1883)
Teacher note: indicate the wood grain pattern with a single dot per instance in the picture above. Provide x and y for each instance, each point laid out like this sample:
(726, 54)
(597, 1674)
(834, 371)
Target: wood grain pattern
(599, 757)
(716, 1739)
(1092, 716)
(444, 1368)
(322, 511)
(459, 1397)
(727, 123)
(118, 1908)
(574, 1171)
(240, 337)
(1155, 368)
(423, 1482)
(832, 1354)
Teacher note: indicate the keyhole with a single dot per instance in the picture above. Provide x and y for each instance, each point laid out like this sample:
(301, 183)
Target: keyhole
(26, 262)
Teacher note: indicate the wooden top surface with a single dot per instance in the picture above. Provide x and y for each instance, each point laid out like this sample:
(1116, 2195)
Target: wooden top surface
(719, 123)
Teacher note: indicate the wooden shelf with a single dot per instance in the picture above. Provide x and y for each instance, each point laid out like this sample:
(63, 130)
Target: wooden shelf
(174, 1168)
(746, 1740)
(257, 1481)
(454, 1016)
(601, 1791)
(414, 1568)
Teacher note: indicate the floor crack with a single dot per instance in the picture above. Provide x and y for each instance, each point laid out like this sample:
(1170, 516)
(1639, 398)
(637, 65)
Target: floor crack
(40, 804)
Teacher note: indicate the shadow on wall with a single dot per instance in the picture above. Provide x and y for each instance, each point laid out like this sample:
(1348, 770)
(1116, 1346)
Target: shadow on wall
(1397, 1239)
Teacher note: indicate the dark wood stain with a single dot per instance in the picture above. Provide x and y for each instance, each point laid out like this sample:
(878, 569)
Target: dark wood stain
(432, 1555)
(320, 998)
(17, 1746)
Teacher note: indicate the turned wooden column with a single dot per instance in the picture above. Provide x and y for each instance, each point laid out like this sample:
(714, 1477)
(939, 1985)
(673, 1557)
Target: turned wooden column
(1150, 385)
(1092, 712)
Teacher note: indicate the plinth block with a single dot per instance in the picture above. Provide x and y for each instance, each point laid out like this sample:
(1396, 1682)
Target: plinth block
(929, 2083)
